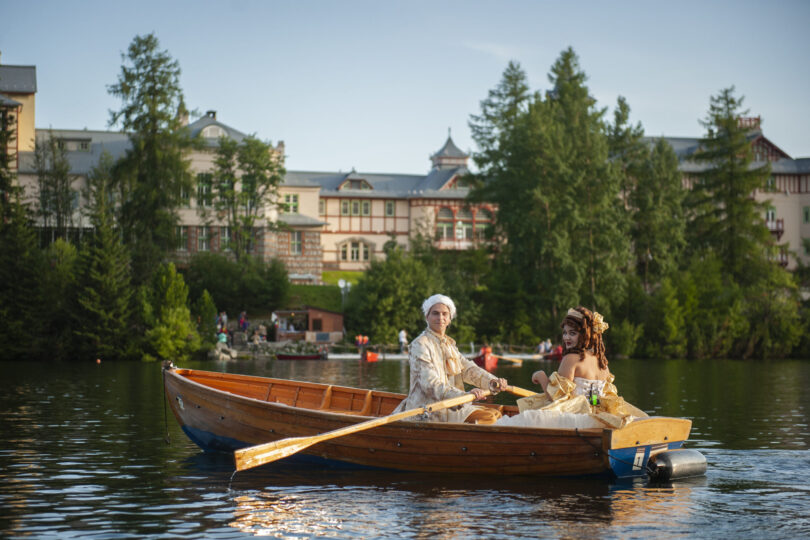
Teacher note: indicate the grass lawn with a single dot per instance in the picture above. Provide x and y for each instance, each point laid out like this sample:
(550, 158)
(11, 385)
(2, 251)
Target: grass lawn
(332, 278)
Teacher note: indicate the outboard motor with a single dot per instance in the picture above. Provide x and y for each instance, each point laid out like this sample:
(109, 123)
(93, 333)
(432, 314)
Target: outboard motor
(676, 464)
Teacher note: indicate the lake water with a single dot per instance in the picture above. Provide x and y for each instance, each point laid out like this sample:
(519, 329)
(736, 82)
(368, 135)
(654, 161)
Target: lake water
(82, 454)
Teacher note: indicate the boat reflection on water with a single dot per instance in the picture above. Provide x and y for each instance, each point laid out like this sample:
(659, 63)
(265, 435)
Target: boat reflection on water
(295, 501)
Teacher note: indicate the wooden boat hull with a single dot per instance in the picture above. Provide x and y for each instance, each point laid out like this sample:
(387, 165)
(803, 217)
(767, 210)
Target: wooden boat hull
(225, 412)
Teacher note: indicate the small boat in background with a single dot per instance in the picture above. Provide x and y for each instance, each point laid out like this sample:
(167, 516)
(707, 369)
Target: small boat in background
(486, 359)
(302, 356)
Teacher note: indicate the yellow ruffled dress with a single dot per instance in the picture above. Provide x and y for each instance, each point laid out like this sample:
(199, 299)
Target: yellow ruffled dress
(612, 411)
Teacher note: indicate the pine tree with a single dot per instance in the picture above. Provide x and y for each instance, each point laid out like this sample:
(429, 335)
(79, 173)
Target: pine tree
(170, 332)
(19, 258)
(511, 138)
(20, 299)
(544, 163)
(627, 148)
(105, 326)
(725, 218)
(658, 225)
(154, 173)
(591, 185)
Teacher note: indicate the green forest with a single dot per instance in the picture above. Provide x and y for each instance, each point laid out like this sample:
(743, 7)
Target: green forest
(589, 213)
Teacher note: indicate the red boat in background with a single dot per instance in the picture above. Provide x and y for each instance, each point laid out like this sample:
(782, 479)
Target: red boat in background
(556, 354)
(486, 359)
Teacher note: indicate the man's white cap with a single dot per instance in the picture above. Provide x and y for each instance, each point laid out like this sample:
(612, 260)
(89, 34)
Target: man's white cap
(439, 299)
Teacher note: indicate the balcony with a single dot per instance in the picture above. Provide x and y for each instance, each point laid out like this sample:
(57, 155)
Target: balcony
(777, 227)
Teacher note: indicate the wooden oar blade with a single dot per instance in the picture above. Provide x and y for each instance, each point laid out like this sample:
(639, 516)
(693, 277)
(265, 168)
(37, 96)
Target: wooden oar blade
(253, 456)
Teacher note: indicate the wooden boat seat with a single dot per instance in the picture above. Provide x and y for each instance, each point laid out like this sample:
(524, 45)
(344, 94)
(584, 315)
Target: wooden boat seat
(326, 404)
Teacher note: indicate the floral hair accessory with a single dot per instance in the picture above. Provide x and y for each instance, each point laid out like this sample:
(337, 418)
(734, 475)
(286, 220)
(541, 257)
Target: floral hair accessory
(599, 324)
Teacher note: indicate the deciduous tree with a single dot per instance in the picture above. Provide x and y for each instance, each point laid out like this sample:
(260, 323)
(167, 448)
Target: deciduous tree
(56, 195)
(246, 179)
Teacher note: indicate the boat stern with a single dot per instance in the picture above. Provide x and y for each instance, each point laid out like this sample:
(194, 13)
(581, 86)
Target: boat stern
(628, 450)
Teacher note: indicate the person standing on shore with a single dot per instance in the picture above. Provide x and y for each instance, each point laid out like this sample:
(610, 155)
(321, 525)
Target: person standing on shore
(403, 341)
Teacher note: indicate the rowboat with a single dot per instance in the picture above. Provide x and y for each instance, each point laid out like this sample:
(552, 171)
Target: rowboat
(226, 412)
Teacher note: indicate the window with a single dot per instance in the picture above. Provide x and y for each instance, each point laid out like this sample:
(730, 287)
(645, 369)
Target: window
(771, 184)
(483, 222)
(770, 214)
(344, 208)
(202, 239)
(464, 225)
(355, 208)
(390, 208)
(84, 146)
(806, 214)
(181, 238)
(321, 207)
(213, 132)
(295, 242)
(248, 193)
(204, 197)
(317, 325)
(444, 224)
(185, 197)
(354, 251)
(356, 183)
(291, 203)
(366, 207)
(224, 239)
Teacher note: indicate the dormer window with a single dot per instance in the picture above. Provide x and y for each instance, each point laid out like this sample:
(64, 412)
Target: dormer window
(355, 184)
(213, 132)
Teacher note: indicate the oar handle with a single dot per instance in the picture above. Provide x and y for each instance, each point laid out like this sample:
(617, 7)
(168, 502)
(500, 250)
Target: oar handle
(520, 391)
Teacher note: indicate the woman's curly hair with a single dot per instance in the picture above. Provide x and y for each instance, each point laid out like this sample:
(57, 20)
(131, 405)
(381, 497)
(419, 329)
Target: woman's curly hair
(590, 328)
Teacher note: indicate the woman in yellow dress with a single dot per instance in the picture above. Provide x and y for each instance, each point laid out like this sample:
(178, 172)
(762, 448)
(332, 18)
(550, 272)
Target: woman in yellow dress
(584, 361)
(581, 392)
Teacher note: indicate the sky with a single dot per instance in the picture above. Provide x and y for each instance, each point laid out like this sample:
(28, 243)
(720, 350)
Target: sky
(376, 85)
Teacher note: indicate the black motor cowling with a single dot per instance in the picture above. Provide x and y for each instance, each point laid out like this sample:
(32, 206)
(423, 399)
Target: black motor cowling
(675, 464)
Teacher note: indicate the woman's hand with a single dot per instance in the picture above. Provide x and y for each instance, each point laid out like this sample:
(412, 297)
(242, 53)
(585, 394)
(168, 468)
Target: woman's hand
(478, 393)
(540, 377)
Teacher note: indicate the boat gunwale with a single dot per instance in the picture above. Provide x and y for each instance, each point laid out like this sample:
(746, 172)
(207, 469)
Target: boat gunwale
(356, 419)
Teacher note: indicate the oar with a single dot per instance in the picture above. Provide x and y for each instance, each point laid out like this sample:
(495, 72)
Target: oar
(254, 456)
(522, 392)
(516, 361)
